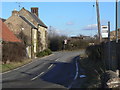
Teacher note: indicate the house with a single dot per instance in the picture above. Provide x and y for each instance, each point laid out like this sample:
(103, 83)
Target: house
(30, 29)
(42, 28)
(3, 20)
(6, 37)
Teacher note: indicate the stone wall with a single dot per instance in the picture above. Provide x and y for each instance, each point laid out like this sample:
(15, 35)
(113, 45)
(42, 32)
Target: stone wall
(43, 37)
(19, 26)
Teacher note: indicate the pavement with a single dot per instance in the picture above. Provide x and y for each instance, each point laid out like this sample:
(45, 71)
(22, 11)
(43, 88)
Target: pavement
(55, 71)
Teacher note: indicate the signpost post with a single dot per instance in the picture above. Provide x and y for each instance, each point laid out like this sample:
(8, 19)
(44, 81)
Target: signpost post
(65, 43)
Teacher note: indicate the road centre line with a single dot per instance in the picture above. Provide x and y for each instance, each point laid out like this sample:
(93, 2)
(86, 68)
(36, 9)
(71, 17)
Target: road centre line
(37, 76)
(50, 66)
(57, 59)
(37, 59)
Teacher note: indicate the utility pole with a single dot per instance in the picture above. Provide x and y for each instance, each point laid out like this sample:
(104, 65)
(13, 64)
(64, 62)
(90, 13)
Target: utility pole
(98, 21)
(117, 59)
(109, 45)
(116, 21)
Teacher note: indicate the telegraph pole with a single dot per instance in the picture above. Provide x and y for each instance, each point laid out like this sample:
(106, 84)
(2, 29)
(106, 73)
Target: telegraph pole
(98, 21)
(109, 45)
(117, 59)
(116, 21)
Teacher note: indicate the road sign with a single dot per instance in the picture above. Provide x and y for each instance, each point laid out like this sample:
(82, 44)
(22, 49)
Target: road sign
(104, 31)
(65, 41)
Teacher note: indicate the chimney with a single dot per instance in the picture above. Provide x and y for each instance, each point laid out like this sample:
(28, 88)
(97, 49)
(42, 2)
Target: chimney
(34, 10)
(15, 13)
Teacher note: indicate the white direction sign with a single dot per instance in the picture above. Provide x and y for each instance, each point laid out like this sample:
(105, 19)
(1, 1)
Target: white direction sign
(104, 31)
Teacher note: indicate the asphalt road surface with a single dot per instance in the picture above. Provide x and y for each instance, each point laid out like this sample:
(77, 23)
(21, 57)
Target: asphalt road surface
(55, 71)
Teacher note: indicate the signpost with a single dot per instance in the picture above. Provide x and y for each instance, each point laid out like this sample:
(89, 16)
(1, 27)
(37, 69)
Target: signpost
(104, 30)
(65, 43)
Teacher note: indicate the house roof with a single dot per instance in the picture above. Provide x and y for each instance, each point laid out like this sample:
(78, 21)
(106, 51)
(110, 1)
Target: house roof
(3, 19)
(38, 20)
(27, 21)
(35, 17)
(6, 35)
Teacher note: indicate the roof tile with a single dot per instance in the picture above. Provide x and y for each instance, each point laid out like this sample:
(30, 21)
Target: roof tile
(6, 34)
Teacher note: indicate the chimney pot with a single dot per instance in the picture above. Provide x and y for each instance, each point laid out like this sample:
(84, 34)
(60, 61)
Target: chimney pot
(15, 13)
(34, 10)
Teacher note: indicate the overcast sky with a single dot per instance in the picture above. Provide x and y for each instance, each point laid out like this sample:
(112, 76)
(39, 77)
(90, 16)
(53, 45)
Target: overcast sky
(70, 18)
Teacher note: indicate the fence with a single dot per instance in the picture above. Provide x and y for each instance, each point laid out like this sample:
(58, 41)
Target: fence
(111, 55)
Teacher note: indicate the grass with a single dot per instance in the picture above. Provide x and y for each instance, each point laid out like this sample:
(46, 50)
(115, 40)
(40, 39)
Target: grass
(13, 65)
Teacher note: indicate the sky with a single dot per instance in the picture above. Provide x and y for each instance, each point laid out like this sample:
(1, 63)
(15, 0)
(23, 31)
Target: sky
(69, 18)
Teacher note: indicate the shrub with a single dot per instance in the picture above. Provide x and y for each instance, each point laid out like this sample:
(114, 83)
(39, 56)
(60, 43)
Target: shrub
(13, 52)
(44, 53)
(56, 43)
(94, 52)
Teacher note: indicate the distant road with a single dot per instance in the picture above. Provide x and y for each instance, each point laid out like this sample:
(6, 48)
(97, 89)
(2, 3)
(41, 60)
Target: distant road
(56, 71)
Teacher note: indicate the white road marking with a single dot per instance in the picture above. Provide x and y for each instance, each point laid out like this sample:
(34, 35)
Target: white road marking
(37, 76)
(76, 75)
(18, 67)
(57, 59)
(37, 59)
(76, 71)
(50, 66)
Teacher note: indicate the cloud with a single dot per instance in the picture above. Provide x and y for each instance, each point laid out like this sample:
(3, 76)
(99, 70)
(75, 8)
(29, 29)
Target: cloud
(70, 23)
(90, 27)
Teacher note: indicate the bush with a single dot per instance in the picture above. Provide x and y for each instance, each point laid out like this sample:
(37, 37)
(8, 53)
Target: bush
(13, 52)
(94, 52)
(77, 44)
(44, 53)
(56, 43)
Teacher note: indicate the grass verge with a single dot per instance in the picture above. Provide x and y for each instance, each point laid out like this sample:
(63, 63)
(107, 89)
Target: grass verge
(93, 70)
(13, 65)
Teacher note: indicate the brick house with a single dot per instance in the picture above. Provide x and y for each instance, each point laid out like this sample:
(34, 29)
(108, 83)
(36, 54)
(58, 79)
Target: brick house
(30, 29)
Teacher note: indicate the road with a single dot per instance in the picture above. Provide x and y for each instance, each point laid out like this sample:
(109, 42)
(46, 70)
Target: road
(55, 71)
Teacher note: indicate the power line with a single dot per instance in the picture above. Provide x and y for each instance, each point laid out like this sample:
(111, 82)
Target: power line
(19, 5)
